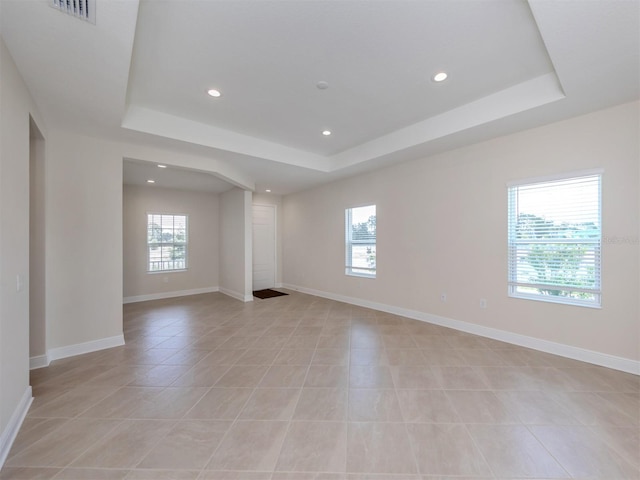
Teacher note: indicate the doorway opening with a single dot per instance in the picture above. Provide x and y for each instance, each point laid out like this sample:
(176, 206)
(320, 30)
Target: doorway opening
(37, 256)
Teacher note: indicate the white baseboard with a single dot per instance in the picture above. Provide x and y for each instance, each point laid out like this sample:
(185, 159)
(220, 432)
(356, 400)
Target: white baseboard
(8, 436)
(237, 295)
(77, 349)
(177, 293)
(86, 347)
(39, 361)
(563, 350)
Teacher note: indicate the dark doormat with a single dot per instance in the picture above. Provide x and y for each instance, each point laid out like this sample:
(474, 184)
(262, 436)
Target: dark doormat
(268, 293)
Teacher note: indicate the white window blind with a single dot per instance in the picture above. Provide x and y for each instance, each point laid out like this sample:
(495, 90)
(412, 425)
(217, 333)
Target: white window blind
(166, 242)
(360, 240)
(555, 240)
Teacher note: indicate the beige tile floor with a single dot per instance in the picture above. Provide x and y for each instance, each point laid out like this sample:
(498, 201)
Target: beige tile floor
(301, 388)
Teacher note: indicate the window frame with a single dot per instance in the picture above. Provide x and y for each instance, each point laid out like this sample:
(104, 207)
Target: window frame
(168, 244)
(513, 243)
(350, 270)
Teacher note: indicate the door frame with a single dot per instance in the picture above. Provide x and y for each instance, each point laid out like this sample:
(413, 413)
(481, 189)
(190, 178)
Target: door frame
(276, 284)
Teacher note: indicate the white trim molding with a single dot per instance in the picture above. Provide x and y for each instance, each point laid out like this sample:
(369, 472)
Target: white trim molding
(8, 436)
(42, 361)
(86, 347)
(237, 295)
(177, 293)
(563, 350)
(39, 361)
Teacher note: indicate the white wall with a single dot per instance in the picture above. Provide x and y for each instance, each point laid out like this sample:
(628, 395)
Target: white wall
(276, 201)
(84, 243)
(236, 244)
(84, 235)
(442, 224)
(203, 245)
(16, 105)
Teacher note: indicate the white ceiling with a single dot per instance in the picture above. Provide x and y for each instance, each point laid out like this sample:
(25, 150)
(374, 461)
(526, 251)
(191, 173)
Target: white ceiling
(141, 73)
(377, 58)
(136, 172)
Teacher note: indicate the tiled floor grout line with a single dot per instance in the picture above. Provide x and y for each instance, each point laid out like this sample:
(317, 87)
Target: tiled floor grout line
(121, 421)
(635, 462)
(603, 401)
(204, 468)
(479, 450)
(193, 406)
(406, 427)
(346, 446)
(304, 380)
(541, 443)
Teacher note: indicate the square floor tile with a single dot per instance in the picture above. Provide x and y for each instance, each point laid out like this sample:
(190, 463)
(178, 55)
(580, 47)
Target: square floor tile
(329, 404)
(446, 449)
(271, 404)
(379, 448)
(370, 377)
(426, 406)
(220, 404)
(583, 454)
(513, 452)
(250, 445)
(188, 445)
(374, 405)
(126, 445)
(314, 447)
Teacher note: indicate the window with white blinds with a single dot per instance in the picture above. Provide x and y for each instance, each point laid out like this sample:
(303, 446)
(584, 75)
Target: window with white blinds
(555, 239)
(166, 242)
(360, 239)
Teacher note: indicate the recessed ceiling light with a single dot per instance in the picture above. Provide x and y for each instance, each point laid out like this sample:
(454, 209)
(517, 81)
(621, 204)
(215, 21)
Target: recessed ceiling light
(440, 77)
(268, 191)
(162, 166)
(326, 133)
(151, 181)
(214, 93)
(322, 85)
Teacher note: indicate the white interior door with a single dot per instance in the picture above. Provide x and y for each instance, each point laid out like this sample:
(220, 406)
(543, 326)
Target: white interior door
(264, 246)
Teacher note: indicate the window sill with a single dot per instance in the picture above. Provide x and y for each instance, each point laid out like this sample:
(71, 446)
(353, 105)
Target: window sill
(549, 299)
(360, 275)
(166, 271)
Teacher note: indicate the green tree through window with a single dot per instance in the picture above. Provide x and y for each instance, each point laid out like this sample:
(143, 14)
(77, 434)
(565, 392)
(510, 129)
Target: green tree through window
(166, 242)
(360, 229)
(554, 240)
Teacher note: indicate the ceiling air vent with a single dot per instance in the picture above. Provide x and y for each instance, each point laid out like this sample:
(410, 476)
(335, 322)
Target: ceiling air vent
(83, 9)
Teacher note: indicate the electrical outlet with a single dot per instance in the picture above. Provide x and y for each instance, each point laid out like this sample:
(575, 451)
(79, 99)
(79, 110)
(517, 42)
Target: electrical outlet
(443, 297)
(483, 303)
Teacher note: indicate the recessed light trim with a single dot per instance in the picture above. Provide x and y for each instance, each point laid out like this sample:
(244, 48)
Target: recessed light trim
(162, 166)
(440, 77)
(212, 92)
(326, 133)
(151, 181)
